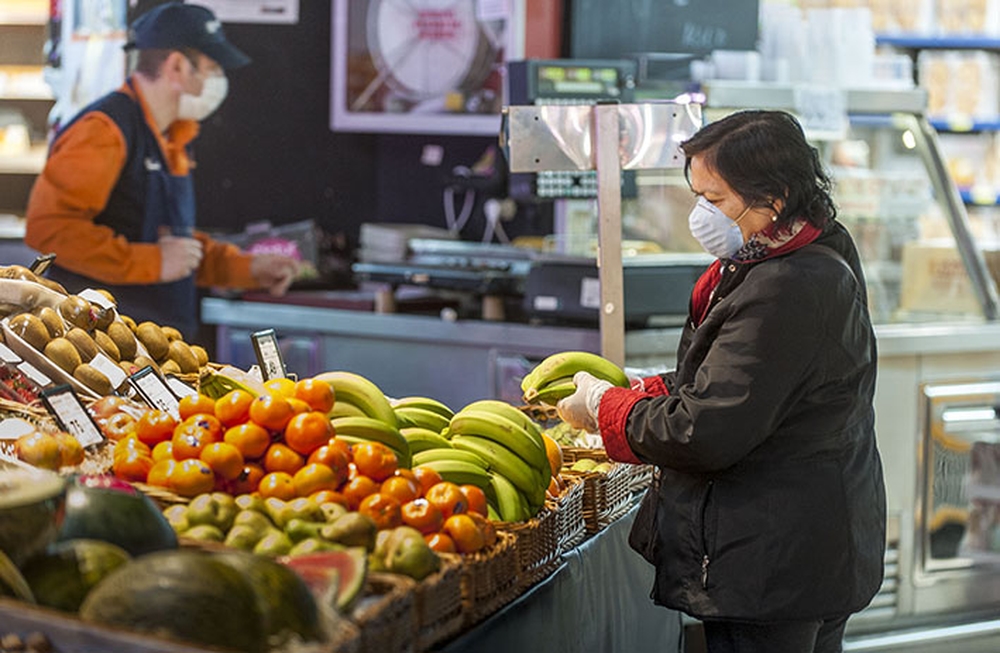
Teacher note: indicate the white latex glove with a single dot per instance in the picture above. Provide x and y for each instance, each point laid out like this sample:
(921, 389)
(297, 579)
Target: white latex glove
(579, 410)
(179, 257)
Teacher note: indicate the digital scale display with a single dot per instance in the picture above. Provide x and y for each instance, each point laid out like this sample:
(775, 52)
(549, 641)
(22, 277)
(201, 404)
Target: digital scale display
(578, 81)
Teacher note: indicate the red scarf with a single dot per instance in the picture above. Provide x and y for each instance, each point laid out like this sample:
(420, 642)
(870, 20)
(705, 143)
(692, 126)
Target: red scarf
(704, 288)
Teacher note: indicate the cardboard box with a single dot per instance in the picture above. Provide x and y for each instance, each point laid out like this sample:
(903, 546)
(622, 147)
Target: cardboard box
(935, 279)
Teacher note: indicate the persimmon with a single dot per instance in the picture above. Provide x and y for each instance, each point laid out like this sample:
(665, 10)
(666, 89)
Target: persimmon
(400, 488)
(161, 472)
(486, 526)
(448, 498)
(133, 466)
(247, 481)
(163, 450)
(465, 532)
(251, 439)
(475, 499)
(334, 458)
(189, 439)
(426, 478)
(282, 458)
(382, 509)
(314, 478)
(554, 453)
(206, 421)
(298, 406)
(307, 432)
(318, 394)
(440, 542)
(224, 459)
(155, 426)
(277, 484)
(357, 489)
(193, 404)
(375, 460)
(283, 387)
(233, 407)
(192, 477)
(422, 515)
(271, 411)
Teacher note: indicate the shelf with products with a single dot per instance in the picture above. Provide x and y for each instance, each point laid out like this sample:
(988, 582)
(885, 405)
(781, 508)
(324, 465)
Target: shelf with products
(926, 42)
(980, 196)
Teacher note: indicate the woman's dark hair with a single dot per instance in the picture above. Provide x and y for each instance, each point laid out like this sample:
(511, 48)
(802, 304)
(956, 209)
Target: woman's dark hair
(764, 156)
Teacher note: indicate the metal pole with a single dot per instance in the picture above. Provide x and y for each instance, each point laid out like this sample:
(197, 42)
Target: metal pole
(607, 138)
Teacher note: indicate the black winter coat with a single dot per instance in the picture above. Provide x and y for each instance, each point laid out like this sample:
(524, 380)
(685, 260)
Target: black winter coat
(771, 498)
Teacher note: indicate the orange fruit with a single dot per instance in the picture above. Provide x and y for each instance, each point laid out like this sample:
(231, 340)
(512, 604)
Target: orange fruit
(554, 453)
(277, 484)
(155, 426)
(440, 542)
(129, 444)
(161, 471)
(70, 450)
(163, 450)
(271, 411)
(475, 498)
(252, 440)
(328, 496)
(486, 526)
(314, 478)
(334, 458)
(307, 432)
(283, 387)
(224, 459)
(338, 443)
(248, 480)
(375, 460)
(233, 407)
(282, 458)
(382, 509)
(117, 426)
(466, 533)
(192, 477)
(189, 439)
(357, 489)
(206, 421)
(318, 394)
(133, 466)
(193, 404)
(422, 515)
(426, 478)
(298, 406)
(448, 498)
(400, 488)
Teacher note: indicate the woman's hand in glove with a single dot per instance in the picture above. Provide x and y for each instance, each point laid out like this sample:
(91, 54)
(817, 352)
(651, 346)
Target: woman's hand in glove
(579, 410)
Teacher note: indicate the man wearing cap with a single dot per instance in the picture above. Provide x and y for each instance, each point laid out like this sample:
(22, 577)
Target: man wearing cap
(116, 202)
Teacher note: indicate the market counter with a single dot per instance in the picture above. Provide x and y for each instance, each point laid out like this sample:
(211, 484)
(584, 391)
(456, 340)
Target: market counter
(597, 600)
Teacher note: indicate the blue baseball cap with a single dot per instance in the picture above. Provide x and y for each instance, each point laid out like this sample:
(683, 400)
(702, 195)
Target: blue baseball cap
(173, 26)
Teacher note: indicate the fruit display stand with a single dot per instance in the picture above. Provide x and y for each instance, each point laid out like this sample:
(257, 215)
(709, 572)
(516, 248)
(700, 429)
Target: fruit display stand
(537, 546)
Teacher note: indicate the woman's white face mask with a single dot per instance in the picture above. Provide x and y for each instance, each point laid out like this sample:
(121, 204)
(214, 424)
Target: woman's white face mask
(720, 236)
(199, 107)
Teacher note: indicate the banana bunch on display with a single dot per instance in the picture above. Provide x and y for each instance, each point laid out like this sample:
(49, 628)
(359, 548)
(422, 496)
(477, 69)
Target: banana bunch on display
(422, 412)
(552, 379)
(495, 446)
(356, 396)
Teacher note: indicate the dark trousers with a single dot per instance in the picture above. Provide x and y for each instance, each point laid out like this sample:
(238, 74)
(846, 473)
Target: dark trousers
(778, 637)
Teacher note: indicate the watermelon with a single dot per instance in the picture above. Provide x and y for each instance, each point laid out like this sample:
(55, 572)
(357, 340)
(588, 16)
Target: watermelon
(185, 594)
(284, 599)
(63, 575)
(337, 577)
(115, 513)
(31, 504)
(12, 583)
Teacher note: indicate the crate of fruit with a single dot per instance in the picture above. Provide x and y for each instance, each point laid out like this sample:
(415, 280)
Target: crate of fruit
(489, 578)
(537, 546)
(386, 614)
(438, 599)
(571, 528)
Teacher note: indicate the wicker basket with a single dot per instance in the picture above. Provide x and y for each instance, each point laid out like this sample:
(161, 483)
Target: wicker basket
(489, 578)
(571, 528)
(160, 495)
(537, 546)
(345, 638)
(386, 614)
(439, 615)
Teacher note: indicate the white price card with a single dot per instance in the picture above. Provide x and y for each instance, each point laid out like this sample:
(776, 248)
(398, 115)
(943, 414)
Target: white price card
(72, 417)
(103, 364)
(180, 388)
(265, 344)
(154, 391)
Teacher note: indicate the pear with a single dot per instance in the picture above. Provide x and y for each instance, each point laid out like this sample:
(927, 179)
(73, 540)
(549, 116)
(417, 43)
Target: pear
(332, 511)
(273, 544)
(351, 529)
(177, 517)
(250, 502)
(216, 509)
(411, 556)
(205, 533)
(255, 520)
(243, 537)
(300, 529)
(313, 545)
(584, 465)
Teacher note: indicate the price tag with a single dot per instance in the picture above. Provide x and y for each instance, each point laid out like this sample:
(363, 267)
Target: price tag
(7, 355)
(822, 110)
(34, 374)
(265, 344)
(154, 391)
(180, 388)
(72, 417)
(109, 368)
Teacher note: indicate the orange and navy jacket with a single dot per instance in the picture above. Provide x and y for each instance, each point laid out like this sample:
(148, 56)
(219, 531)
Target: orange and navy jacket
(112, 182)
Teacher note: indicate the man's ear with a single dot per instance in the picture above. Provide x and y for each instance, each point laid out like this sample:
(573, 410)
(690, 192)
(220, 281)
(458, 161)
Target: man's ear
(176, 67)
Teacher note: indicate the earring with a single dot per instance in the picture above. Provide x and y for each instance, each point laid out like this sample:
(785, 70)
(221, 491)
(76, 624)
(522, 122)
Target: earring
(774, 218)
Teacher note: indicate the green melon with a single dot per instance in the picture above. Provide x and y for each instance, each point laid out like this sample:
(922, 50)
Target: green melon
(283, 598)
(336, 576)
(182, 594)
(62, 576)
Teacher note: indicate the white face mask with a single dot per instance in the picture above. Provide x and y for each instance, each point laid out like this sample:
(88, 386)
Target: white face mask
(199, 107)
(720, 236)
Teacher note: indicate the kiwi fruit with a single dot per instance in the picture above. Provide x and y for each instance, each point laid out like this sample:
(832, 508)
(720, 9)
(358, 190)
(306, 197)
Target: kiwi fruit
(171, 333)
(129, 322)
(107, 295)
(17, 272)
(151, 336)
(124, 339)
(52, 285)
(91, 377)
(77, 311)
(170, 366)
(105, 316)
(53, 321)
(145, 361)
(62, 352)
(83, 342)
(31, 329)
(200, 354)
(180, 352)
(107, 345)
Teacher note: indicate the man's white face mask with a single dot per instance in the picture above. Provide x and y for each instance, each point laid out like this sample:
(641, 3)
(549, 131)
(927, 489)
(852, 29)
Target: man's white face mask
(199, 107)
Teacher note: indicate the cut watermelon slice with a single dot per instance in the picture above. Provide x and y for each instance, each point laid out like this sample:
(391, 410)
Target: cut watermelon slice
(335, 577)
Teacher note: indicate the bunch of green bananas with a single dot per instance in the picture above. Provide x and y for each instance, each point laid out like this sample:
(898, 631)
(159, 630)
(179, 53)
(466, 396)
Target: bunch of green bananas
(552, 379)
(356, 396)
(215, 385)
(422, 412)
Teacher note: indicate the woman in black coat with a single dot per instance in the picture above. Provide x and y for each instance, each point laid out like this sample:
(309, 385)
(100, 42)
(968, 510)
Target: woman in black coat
(767, 517)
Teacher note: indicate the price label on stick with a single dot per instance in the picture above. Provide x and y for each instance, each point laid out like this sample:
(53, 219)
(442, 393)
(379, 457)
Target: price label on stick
(265, 344)
(154, 391)
(72, 417)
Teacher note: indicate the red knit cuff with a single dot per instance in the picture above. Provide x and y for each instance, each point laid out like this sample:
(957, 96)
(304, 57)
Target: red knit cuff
(654, 385)
(616, 404)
